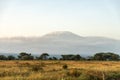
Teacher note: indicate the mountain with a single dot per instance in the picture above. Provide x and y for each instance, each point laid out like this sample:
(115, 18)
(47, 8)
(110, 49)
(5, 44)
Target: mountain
(60, 42)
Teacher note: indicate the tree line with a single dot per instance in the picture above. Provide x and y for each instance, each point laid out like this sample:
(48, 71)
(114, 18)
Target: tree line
(102, 56)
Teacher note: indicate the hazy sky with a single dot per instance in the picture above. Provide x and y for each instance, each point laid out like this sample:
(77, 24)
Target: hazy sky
(38, 17)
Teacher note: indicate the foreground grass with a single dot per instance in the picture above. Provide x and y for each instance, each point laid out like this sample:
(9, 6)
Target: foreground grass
(53, 70)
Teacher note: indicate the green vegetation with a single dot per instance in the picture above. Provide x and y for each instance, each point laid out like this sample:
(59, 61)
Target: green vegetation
(106, 56)
(25, 56)
(45, 56)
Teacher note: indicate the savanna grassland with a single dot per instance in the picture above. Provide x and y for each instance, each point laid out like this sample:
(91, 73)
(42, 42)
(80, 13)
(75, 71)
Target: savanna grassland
(59, 70)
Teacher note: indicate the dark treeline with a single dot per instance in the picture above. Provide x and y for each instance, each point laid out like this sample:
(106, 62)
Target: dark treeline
(45, 56)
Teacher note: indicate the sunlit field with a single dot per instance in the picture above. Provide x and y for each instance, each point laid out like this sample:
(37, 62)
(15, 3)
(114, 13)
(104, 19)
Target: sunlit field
(59, 70)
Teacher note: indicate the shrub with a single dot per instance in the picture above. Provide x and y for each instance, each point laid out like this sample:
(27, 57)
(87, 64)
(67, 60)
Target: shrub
(65, 66)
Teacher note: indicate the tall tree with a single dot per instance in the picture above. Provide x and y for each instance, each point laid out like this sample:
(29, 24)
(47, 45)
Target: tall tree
(25, 56)
(44, 56)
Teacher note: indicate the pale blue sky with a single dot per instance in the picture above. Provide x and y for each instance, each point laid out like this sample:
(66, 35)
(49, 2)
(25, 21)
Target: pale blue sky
(38, 17)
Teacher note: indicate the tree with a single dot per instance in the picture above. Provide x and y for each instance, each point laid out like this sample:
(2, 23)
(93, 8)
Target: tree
(77, 57)
(71, 57)
(25, 56)
(2, 57)
(54, 58)
(10, 57)
(106, 56)
(44, 56)
(67, 57)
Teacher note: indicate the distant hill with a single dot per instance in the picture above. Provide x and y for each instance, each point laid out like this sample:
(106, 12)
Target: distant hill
(60, 42)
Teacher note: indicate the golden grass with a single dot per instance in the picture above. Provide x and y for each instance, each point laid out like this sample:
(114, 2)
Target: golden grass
(51, 70)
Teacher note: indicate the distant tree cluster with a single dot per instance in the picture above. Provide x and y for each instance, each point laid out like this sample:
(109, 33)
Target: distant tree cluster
(45, 56)
(106, 56)
(10, 57)
(71, 57)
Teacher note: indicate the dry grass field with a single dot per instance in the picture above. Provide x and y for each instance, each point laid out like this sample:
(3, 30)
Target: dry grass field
(59, 70)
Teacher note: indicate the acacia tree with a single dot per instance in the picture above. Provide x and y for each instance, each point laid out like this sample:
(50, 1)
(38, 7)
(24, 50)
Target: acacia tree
(44, 56)
(106, 56)
(10, 57)
(25, 56)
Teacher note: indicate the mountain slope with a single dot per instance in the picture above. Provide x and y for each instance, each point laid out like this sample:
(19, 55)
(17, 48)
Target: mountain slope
(61, 42)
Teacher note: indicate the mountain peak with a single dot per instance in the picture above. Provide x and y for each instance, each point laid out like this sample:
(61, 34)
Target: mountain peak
(60, 33)
(63, 34)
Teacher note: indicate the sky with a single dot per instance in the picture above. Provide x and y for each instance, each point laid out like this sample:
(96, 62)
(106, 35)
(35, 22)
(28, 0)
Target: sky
(38, 17)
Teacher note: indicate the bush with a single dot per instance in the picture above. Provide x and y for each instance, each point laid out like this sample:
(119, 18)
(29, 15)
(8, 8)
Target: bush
(65, 66)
